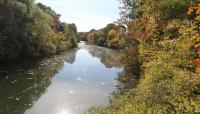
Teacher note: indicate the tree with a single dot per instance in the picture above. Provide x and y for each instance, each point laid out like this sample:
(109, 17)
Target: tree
(112, 34)
(24, 27)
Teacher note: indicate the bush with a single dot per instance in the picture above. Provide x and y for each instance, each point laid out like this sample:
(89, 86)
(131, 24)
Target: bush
(49, 48)
(167, 46)
(165, 87)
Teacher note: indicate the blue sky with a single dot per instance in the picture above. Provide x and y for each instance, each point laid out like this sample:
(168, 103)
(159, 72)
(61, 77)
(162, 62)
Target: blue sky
(86, 14)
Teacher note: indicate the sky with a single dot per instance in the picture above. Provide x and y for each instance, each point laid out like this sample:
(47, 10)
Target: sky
(86, 14)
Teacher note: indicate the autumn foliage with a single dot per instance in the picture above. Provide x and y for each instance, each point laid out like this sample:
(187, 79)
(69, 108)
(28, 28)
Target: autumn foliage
(28, 29)
(167, 32)
(195, 11)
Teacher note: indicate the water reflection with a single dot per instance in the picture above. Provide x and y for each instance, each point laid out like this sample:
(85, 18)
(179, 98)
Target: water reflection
(108, 57)
(70, 56)
(66, 84)
(64, 112)
(22, 86)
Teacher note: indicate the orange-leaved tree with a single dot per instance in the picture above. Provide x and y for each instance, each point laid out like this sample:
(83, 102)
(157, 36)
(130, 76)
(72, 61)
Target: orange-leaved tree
(195, 11)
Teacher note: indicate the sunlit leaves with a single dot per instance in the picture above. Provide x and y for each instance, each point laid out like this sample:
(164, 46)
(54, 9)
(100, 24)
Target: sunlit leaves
(168, 42)
(195, 10)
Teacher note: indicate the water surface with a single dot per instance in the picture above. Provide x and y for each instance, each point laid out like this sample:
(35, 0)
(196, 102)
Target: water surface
(69, 83)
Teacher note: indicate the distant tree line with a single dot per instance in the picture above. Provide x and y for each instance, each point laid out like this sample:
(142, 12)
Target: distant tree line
(110, 36)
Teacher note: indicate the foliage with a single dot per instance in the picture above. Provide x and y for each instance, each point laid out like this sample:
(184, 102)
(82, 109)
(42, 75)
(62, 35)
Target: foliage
(109, 36)
(28, 29)
(195, 11)
(167, 39)
(168, 84)
(130, 10)
(112, 34)
(82, 36)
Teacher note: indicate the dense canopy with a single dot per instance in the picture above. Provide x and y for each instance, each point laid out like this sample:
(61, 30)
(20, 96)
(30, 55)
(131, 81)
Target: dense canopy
(28, 30)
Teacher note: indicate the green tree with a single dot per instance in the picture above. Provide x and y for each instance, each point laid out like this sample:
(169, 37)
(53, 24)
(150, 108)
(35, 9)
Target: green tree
(24, 27)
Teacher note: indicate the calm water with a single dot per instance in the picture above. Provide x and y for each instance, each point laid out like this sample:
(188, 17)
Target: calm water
(69, 83)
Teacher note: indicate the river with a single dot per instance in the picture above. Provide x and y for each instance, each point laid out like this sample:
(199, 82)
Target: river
(68, 83)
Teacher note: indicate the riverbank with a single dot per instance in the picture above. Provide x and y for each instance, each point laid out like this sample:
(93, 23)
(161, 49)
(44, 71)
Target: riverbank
(168, 51)
(164, 87)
